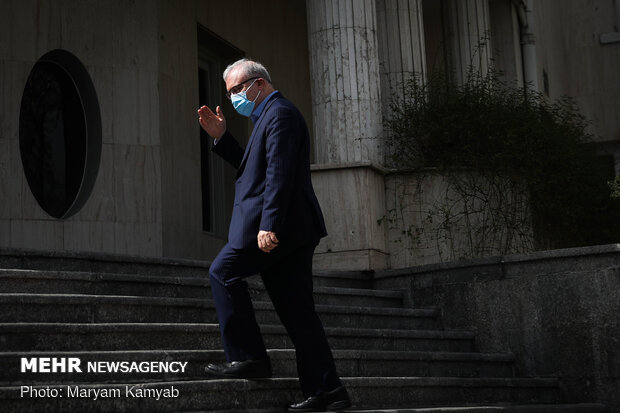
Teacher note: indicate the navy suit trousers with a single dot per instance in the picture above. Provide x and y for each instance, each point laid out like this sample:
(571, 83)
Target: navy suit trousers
(287, 275)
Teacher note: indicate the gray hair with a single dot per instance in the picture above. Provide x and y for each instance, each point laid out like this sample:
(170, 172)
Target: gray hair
(249, 68)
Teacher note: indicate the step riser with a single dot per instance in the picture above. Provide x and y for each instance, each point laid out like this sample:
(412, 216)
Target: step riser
(123, 313)
(350, 282)
(245, 395)
(191, 340)
(195, 287)
(145, 289)
(30, 262)
(140, 289)
(377, 321)
(125, 275)
(349, 300)
(449, 395)
(104, 313)
(489, 408)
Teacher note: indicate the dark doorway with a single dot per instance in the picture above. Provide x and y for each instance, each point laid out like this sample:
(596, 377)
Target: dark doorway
(217, 182)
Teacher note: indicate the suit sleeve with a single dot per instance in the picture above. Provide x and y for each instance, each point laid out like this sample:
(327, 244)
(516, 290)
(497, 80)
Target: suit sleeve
(283, 141)
(229, 149)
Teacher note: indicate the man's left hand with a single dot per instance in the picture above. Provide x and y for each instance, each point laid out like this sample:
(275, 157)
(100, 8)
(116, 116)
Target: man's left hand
(267, 240)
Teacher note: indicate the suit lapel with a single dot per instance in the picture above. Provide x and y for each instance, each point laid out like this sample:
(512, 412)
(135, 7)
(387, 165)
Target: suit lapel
(254, 133)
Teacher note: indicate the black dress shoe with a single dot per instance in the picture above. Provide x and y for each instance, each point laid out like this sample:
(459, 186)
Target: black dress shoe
(248, 369)
(333, 401)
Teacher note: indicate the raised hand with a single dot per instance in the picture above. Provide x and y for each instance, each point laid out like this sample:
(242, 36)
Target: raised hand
(212, 123)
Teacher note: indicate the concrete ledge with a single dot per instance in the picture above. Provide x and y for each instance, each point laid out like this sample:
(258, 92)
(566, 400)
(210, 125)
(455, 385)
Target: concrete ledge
(552, 261)
(557, 311)
(352, 165)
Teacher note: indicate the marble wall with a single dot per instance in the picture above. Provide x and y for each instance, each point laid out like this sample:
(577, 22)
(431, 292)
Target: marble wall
(142, 58)
(577, 64)
(117, 43)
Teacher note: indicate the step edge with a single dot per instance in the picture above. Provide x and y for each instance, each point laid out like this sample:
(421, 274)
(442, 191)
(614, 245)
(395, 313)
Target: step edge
(92, 299)
(269, 328)
(289, 353)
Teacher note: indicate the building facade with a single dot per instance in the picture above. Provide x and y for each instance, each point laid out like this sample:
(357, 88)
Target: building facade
(155, 189)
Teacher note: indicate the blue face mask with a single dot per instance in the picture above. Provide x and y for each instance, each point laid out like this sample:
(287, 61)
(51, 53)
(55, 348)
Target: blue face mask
(241, 103)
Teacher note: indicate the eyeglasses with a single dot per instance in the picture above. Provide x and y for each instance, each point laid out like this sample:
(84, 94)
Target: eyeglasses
(238, 88)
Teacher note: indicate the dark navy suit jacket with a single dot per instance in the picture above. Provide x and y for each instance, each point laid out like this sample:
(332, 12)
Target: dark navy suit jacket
(273, 190)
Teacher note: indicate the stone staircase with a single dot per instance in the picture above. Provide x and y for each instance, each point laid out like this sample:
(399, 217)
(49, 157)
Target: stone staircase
(108, 309)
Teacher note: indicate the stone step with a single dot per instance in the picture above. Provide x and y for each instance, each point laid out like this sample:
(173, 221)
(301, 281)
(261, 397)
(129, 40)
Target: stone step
(341, 296)
(352, 363)
(470, 408)
(346, 279)
(501, 408)
(95, 263)
(243, 395)
(111, 308)
(100, 263)
(73, 282)
(60, 282)
(78, 308)
(151, 336)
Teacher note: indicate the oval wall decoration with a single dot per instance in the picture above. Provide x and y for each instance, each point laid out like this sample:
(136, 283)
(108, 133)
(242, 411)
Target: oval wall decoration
(60, 133)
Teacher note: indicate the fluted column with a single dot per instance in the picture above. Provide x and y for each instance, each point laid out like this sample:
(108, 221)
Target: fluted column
(467, 32)
(344, 69)
(347, 119)
(402, 53)
(400, 31)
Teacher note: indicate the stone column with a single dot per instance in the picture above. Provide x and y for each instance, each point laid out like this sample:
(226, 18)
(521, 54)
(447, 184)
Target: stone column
(347, 120)
(346, 96)
(400, 31)
(467, 33)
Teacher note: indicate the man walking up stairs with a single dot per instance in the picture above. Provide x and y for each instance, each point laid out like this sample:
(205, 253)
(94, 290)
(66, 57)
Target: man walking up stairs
(141, 332)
